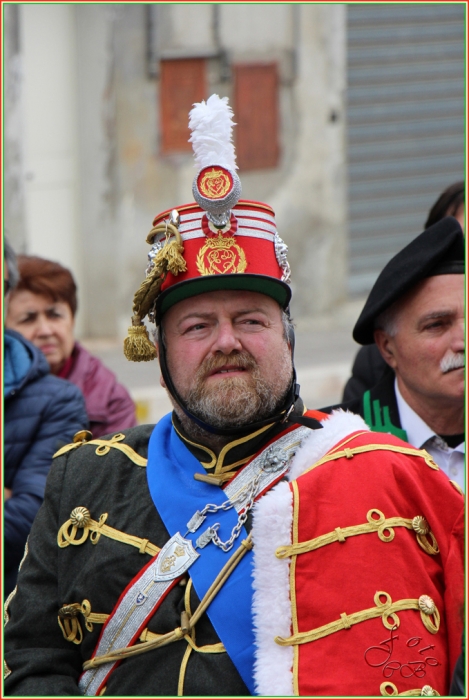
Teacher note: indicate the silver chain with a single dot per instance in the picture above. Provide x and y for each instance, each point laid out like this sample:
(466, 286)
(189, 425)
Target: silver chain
(271, 463)
(226, 546)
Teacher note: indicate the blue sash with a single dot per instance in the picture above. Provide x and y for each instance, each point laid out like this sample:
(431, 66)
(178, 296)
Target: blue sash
(177, 495)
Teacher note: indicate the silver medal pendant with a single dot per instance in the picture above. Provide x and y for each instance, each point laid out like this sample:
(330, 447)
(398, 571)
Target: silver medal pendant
(175, 558)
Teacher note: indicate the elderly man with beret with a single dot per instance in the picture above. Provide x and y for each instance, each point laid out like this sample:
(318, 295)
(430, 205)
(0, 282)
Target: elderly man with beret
(415, 314)
(244, 545)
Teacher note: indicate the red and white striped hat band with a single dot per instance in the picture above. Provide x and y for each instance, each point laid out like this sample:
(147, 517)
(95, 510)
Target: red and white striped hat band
(247, 253)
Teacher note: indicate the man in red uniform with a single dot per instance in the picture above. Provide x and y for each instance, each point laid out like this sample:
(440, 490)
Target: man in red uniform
(243, 545)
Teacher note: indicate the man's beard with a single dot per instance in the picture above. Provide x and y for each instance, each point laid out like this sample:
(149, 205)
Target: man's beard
(237, 401)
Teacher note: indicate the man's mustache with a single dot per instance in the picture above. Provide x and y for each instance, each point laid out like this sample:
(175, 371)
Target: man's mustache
(452, 361)
(240, 359)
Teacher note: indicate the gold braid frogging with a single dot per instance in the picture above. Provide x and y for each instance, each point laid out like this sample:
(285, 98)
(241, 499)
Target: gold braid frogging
(381, 525)
(68, 531)
(386, 610)
(104, 447)
(425, 691)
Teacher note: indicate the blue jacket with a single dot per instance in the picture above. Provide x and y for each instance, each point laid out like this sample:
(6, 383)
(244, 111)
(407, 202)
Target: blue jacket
(42, 413)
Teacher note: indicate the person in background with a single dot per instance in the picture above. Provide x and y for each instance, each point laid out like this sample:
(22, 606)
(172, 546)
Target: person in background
(415, 314)
(42, 308)
(41, 414)
(369, 366)
(451, 202)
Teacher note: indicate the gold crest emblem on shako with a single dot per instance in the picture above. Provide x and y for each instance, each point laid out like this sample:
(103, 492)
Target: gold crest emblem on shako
(214, 183)
(221, 256)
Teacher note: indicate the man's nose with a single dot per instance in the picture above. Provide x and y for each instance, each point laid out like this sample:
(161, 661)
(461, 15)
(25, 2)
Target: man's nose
(458, 342)
(226, 340)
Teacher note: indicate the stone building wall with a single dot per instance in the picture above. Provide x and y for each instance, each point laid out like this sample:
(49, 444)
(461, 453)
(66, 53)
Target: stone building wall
(91, 150)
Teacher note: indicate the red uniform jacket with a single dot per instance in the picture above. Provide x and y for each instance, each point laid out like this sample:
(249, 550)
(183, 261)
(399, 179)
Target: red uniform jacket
(359, 565)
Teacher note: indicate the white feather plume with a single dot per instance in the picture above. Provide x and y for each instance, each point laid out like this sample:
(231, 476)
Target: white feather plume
(211, 124)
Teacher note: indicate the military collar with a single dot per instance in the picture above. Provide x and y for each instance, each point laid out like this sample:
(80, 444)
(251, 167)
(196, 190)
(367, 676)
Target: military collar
(235, 453)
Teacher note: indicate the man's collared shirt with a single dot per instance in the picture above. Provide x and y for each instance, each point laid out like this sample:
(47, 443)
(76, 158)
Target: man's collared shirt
(450, 460)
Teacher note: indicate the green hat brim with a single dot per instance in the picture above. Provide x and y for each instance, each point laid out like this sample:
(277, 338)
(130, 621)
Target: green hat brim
(274, 288)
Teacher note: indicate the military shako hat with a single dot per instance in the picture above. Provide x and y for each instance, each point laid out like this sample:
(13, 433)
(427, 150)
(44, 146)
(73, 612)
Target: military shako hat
(439, 250)
(217, 242)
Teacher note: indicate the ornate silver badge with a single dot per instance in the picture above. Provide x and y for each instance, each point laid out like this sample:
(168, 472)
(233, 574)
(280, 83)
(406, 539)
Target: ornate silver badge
(175, 558)
(281, 250)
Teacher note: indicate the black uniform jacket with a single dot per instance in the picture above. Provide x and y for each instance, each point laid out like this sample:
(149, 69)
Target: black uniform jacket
(113, 487)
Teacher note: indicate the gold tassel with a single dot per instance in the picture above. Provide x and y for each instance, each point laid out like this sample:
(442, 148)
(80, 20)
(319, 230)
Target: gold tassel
(175, 262)
(170, 258)
(137, 345)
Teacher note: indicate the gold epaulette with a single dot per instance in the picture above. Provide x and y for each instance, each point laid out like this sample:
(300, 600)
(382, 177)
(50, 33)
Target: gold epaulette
(83, 437)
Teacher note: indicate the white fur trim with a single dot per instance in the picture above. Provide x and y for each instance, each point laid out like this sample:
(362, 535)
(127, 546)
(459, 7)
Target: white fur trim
(335, 427)
(272, 526)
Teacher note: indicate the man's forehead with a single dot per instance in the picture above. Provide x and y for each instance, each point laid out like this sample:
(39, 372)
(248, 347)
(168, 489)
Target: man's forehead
(436, 291)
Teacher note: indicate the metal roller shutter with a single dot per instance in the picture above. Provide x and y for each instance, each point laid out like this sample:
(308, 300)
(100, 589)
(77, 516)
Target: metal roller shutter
(406, 124)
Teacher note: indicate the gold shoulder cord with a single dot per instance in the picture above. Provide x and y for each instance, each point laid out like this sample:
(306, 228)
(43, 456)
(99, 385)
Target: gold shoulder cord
(350, 452)
(187, 623)
(104, 446)
(189, 636)
(80, 519)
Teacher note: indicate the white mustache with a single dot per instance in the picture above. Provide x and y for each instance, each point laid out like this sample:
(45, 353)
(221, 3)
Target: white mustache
(453, 361)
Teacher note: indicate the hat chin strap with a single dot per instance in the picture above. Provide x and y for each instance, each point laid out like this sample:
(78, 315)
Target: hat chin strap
(282, 415)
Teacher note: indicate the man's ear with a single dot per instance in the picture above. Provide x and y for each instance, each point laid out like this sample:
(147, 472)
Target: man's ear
(385, 344)
(162, 382)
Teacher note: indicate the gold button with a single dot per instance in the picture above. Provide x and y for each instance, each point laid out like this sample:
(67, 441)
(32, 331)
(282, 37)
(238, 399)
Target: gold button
(426, 604)
(420, 525)
(83, 436)
(80, 517)
(68, 611)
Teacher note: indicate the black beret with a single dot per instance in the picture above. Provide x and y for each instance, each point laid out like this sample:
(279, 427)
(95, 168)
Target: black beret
(439, 250)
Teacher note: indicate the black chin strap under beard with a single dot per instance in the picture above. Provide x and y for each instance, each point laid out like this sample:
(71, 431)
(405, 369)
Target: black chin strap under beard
(282, 416)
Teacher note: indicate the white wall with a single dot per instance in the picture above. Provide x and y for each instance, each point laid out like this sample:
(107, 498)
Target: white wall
(50, 148)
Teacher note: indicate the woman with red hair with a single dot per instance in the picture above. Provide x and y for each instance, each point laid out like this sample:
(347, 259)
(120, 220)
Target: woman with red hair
(42, 308)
